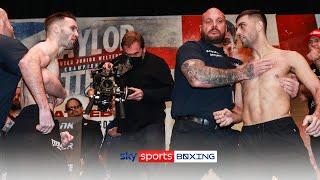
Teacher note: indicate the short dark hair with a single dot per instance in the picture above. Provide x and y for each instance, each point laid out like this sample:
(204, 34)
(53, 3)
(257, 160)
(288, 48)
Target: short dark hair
(130, 37)
(75, 99)
(255, 13)
(56, 17)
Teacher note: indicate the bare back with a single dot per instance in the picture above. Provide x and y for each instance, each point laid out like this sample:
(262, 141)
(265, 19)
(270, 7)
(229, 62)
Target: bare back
(263, 97)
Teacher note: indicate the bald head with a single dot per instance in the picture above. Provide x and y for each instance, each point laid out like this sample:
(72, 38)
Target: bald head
(3, 14)
(5, 26)
(213, 26)
(212, 11)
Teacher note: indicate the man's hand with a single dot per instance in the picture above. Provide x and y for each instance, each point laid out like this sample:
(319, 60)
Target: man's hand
(66, 138)
(113, 132)
(256, 68)
(46, 123)
(53, 102)
(137, 94)
(223, 117)
(107, 66)
(290, 85)
(313, 128)
(59, 101)
(90, 92)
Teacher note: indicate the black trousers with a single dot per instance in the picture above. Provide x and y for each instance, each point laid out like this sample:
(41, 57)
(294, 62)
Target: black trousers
(274, 148)
(151, 137)
(189, 135)
(31, 154)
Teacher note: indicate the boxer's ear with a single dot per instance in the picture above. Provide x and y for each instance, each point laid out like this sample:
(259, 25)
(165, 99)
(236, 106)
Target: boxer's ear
(55, 28)
(259, 26)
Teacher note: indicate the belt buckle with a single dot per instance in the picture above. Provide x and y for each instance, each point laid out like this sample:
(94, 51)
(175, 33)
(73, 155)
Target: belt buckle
(202, 121)
(205, 122)
(198, 120)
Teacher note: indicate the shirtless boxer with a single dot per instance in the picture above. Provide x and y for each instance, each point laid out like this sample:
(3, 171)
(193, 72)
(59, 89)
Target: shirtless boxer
(269, 133)
(270, 143)
(33, 154)
(58, 39)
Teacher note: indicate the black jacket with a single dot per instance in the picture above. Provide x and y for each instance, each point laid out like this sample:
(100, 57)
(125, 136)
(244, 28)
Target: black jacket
(153, 77)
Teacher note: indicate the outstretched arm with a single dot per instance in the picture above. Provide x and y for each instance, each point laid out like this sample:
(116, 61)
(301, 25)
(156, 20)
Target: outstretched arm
(290, 85)
(200, 75)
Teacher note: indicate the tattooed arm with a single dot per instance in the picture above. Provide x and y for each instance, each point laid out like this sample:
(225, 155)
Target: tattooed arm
(200, 75)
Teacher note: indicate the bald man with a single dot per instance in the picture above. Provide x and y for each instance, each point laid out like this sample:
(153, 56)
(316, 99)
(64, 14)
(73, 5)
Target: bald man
(11, 51)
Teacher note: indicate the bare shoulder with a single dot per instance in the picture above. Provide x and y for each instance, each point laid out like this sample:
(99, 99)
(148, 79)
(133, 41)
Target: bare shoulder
(295, 60)
(36, 50)
(291, 55)
(37, 53)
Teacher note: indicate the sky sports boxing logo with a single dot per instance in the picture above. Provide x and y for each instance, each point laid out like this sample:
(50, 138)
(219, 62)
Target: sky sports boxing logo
(161, 156)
